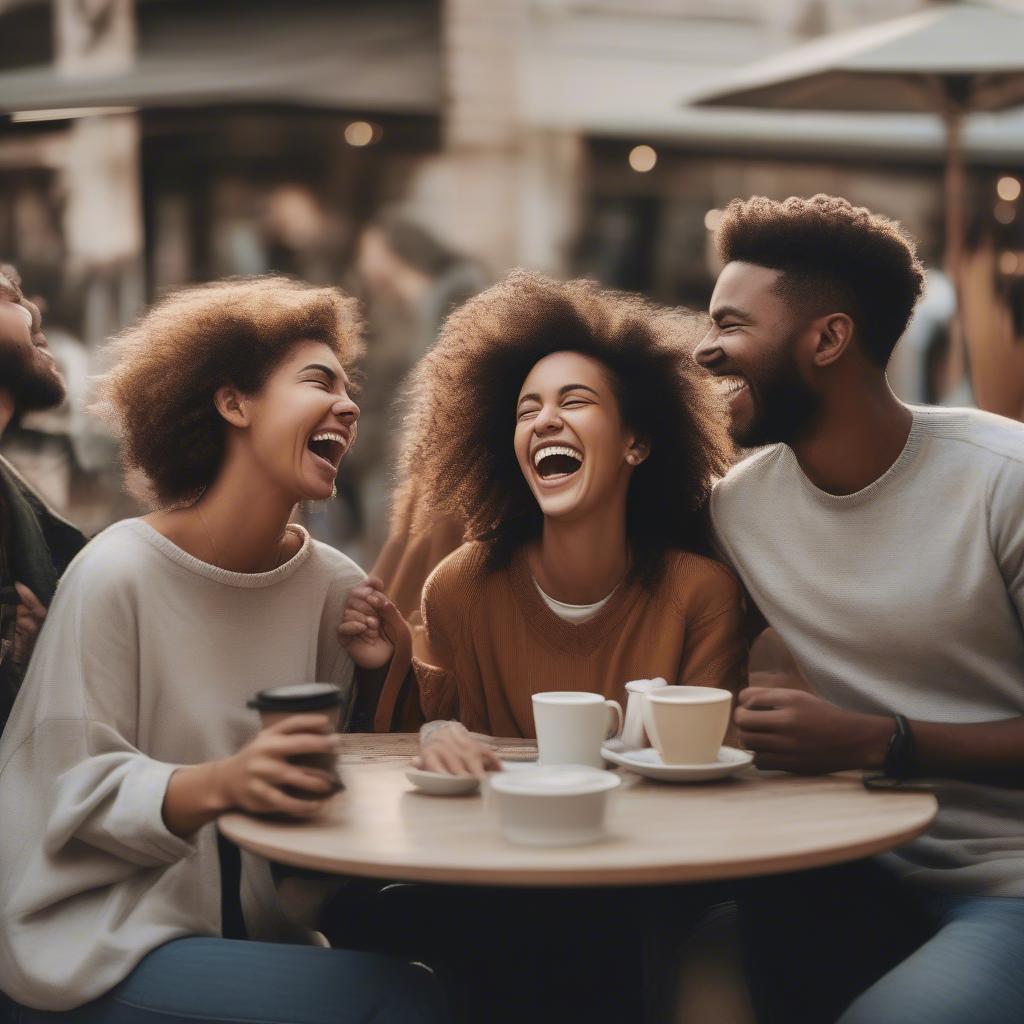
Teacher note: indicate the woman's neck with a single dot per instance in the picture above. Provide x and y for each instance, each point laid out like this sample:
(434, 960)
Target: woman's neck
(239, 524)
(582, 562)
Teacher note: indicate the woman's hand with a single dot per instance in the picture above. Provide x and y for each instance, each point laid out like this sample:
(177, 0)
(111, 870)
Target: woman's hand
(449, 747)
(255, 777)
(370, 625)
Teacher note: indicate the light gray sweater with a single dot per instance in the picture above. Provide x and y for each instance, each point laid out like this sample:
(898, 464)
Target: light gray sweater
(906, 597)
(145, 663)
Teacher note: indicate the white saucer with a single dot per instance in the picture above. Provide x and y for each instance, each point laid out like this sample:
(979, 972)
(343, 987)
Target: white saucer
(441, 783)
(648, 762)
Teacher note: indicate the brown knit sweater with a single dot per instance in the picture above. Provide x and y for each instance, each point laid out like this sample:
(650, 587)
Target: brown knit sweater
(489, 642)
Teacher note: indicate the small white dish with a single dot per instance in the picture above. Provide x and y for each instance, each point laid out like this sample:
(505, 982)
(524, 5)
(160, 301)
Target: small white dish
(554, 805)
(647, 762)
(441, 783)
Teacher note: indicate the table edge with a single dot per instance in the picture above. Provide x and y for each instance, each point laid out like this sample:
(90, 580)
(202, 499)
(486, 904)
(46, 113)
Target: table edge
(676, 872)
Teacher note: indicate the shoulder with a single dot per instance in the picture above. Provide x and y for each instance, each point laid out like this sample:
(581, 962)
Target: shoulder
(701, 587)
(460, 573)
(335, 565)
(747, 475)
(114, 561)
(975, 433)
(455, 586)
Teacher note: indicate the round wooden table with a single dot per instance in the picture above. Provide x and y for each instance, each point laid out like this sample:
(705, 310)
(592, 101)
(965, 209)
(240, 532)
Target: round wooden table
(757, 823)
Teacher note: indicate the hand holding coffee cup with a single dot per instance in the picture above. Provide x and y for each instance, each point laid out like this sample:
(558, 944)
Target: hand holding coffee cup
(571, 726)
(687, 724)
(267, 775)
(308, 701)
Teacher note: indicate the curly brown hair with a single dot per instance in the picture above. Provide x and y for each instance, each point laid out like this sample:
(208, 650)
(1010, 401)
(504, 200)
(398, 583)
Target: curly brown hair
(10, 283)
(830, 251)
(458, 447)
(169, 364)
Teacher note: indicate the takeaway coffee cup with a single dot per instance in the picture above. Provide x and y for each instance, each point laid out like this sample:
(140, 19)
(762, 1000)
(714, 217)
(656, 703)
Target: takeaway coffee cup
(687, 724)
(571, 726)
(302, 698)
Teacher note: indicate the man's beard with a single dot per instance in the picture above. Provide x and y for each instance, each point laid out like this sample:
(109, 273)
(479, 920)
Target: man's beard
(785, 409)
(31, 379)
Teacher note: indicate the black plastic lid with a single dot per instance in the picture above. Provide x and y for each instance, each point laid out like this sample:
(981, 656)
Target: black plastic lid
(300, 697)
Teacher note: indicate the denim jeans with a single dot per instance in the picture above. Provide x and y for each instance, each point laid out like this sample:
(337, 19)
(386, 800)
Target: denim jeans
(213, 979)
(856, 945)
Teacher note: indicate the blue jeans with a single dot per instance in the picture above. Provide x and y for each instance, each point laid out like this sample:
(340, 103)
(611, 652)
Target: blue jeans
(855, 945)
(229, 980)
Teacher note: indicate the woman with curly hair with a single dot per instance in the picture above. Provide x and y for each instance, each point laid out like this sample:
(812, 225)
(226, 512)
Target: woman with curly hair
(131, 733)
(569, 428)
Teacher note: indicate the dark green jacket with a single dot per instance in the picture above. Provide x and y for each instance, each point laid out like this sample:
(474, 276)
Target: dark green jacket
(36, 546)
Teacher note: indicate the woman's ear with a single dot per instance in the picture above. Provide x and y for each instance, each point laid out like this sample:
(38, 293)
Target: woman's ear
(638, 450)
(231, 404)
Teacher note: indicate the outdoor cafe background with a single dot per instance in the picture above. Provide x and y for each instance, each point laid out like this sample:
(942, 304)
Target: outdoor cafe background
(413, 151)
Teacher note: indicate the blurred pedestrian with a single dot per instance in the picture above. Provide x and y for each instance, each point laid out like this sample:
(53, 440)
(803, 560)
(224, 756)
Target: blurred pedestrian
(411, 281)
(36, 544)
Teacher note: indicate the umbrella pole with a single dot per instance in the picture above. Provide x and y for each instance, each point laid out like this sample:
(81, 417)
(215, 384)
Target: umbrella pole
(955, 196)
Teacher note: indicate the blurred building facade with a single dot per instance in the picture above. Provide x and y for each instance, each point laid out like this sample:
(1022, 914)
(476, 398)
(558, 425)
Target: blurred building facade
(152, 143)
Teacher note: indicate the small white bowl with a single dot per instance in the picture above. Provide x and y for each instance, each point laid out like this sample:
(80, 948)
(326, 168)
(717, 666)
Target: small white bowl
(441, 783)
(553, 805)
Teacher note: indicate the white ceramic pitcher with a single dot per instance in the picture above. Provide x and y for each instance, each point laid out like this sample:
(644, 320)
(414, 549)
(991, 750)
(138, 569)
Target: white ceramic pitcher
(632, 737)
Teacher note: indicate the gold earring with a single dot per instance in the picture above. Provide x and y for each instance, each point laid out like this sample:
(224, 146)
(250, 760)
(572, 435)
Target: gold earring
(334, 490)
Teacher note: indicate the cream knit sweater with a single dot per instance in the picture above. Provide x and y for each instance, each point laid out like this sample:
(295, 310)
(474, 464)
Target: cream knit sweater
(145, 663)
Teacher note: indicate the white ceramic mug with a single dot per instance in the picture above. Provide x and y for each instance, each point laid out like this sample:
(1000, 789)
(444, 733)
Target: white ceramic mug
(687, 724)
(571, 726)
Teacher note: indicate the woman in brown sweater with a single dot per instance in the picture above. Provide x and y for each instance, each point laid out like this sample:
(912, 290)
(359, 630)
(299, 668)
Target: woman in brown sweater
(569, 428)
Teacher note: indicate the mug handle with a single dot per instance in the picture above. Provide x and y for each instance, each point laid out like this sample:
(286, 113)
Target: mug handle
(616, 730)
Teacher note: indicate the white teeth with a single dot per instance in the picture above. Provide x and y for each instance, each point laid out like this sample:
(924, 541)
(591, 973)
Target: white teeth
(555, 449)
(730, 385)
(328, 435)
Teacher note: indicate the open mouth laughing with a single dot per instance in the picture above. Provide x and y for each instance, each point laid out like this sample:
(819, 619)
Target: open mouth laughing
(329, 446)
(730, 384)
(556, 462)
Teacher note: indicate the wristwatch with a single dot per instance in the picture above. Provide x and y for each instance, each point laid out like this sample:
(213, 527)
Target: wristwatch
(899, 755)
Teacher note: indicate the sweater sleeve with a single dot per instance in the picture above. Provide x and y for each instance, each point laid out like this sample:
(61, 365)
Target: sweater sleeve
(434, 648)
(70, 748)
(714, 622)
(1006, 530)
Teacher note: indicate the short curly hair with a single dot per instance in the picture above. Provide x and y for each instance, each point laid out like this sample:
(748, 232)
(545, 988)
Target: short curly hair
(159, 393)
(10, 284)
(458, 435)
(831, 252)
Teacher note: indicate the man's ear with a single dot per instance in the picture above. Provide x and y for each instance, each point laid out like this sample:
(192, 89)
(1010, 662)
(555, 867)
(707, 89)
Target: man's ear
(835, 333)
(231, 404)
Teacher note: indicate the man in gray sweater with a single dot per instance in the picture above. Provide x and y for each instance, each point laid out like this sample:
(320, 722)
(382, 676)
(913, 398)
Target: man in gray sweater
(885, 545)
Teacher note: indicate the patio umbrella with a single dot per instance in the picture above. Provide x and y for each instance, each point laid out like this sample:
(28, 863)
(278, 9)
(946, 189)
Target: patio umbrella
(951, 59)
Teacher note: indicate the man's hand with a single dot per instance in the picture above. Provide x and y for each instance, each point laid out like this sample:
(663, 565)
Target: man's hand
(28, 621)
(794, 731)
(370, 625)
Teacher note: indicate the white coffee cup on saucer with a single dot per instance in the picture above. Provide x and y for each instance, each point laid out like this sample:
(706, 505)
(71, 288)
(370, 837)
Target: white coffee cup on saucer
(571, 726)
(687, 724)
